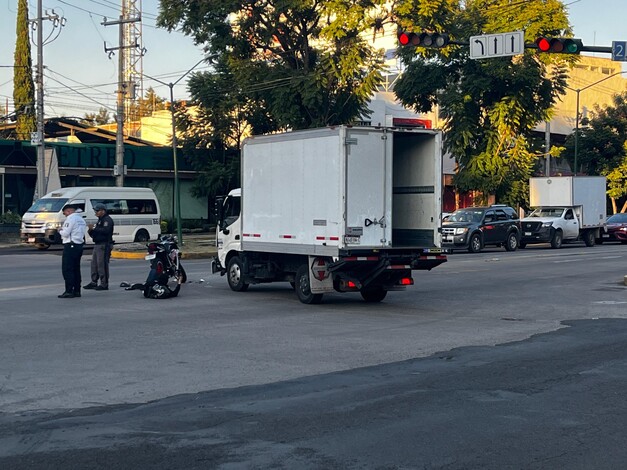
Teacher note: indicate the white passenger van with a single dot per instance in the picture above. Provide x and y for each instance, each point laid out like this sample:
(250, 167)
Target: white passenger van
(135, 213)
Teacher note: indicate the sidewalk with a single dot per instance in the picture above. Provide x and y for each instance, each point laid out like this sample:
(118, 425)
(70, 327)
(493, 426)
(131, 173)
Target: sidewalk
(195, 246)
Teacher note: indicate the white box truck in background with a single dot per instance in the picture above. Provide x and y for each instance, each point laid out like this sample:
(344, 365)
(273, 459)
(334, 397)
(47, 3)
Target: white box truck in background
(566, 208)
(334, 209)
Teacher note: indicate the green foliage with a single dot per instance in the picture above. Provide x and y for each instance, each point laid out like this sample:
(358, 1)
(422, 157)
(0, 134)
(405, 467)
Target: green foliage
(490, 107)
(279, 64)
(10, 218)
(97, 119)
(23, 86)
(165, 226)
(602, 147)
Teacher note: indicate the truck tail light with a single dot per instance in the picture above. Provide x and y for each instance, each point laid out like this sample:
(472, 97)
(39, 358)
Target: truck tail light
(406, 281)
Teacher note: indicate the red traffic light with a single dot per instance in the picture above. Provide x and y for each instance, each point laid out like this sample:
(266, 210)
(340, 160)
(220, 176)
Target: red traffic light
(559, 45)
(436, 40)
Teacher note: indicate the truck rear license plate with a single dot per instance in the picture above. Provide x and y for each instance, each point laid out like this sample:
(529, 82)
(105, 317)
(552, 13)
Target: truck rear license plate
(351, 240)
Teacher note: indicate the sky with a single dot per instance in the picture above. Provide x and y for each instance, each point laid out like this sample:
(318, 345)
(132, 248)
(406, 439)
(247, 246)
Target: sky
(81, 78)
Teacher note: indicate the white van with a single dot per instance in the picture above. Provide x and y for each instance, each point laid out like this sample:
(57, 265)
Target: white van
(135, 213)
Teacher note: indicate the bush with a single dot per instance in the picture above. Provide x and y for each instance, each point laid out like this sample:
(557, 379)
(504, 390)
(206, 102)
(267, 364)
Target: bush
(165, 226)
(10, 218)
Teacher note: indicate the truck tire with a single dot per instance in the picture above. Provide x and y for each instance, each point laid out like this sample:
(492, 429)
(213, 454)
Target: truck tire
(373, 294)
(474, 245)
(512, 242)
(589, 238)
(556, 241)
(303, 289)
(234, 275)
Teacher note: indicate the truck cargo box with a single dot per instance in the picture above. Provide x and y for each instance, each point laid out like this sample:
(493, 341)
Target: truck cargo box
(320, 191)
(586, 193)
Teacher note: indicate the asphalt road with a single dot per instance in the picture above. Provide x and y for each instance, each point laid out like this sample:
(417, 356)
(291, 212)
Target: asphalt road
(495, 360)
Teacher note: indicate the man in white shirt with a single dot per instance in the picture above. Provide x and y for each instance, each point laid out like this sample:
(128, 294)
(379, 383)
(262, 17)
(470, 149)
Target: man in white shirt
(73, 237)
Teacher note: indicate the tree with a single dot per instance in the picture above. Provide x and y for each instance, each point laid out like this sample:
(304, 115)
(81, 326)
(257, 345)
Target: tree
(490, 107)
(97, 119)
(23, 86)
(601, 148)
(150, 103)
(288, 64)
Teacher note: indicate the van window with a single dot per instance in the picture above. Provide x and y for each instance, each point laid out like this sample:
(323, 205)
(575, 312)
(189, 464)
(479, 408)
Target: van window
(128, 206)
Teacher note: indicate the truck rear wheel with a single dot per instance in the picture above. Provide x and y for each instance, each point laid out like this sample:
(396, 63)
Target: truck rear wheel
(556, 241)
(234, 275)
(373, 294)
(589, 238)
(303, 287)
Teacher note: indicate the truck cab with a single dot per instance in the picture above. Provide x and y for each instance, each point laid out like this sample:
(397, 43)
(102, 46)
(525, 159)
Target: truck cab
(228, 236)
(553, 225)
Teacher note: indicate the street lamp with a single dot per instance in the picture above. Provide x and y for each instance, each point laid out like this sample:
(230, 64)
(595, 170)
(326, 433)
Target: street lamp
(579, 90)
(177, 193)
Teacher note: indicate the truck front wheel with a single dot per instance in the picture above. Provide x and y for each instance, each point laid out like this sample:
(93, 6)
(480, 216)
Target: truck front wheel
(234, 275)
(303, 287)
(556, 241)
(589, 238)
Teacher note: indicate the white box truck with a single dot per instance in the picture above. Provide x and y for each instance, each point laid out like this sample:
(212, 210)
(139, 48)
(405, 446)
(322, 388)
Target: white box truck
(566, 208)
(334, 209)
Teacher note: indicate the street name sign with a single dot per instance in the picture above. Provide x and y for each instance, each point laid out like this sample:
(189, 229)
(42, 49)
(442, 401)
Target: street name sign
(488, 46)
(619, 51)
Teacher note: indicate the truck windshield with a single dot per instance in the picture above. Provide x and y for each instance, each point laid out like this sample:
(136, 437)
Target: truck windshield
(48, 205)
(547, 212)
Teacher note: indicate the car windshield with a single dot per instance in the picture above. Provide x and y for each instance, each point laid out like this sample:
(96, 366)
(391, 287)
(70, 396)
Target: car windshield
(466, 215)
(617, 219)
(547, 212)
(48, 205)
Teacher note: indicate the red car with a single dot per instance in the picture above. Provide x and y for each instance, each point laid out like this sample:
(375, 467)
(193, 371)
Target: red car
(616, 228)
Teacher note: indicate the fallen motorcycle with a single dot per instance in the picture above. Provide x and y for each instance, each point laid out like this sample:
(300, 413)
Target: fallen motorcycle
(166, 271)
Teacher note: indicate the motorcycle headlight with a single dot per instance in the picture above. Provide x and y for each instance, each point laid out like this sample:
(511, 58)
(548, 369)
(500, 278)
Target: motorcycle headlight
(547, 224)
(460, 230)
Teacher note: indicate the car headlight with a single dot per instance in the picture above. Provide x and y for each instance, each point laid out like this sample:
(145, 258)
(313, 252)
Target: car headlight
(547, 224)
(460, 230)
(56, 225)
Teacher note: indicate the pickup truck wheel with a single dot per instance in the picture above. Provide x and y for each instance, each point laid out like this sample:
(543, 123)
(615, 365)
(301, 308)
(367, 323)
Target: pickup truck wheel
(512, 242)
(373, 294)
(556, 241)
(303, 289)
(234, 275)
(42, 246)
(589, 238)
(474, 246)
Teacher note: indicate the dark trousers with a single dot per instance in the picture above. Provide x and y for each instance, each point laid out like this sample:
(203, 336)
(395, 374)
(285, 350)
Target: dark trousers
(71, 266)
(100, 264)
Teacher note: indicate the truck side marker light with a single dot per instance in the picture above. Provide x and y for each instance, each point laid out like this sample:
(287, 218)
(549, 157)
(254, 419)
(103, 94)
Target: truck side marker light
(287, 236)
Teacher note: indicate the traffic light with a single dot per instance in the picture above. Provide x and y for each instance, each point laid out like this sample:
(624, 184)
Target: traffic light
(436, 40)
(559, 45)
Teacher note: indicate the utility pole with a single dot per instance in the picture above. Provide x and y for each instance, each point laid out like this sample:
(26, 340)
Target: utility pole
(38, 140)
(119, 169)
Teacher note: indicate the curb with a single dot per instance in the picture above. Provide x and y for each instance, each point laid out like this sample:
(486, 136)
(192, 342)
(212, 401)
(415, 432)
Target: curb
(141, 255)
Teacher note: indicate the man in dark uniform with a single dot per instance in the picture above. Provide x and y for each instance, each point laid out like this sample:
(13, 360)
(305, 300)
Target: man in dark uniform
(102, 234)
(73, 237)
